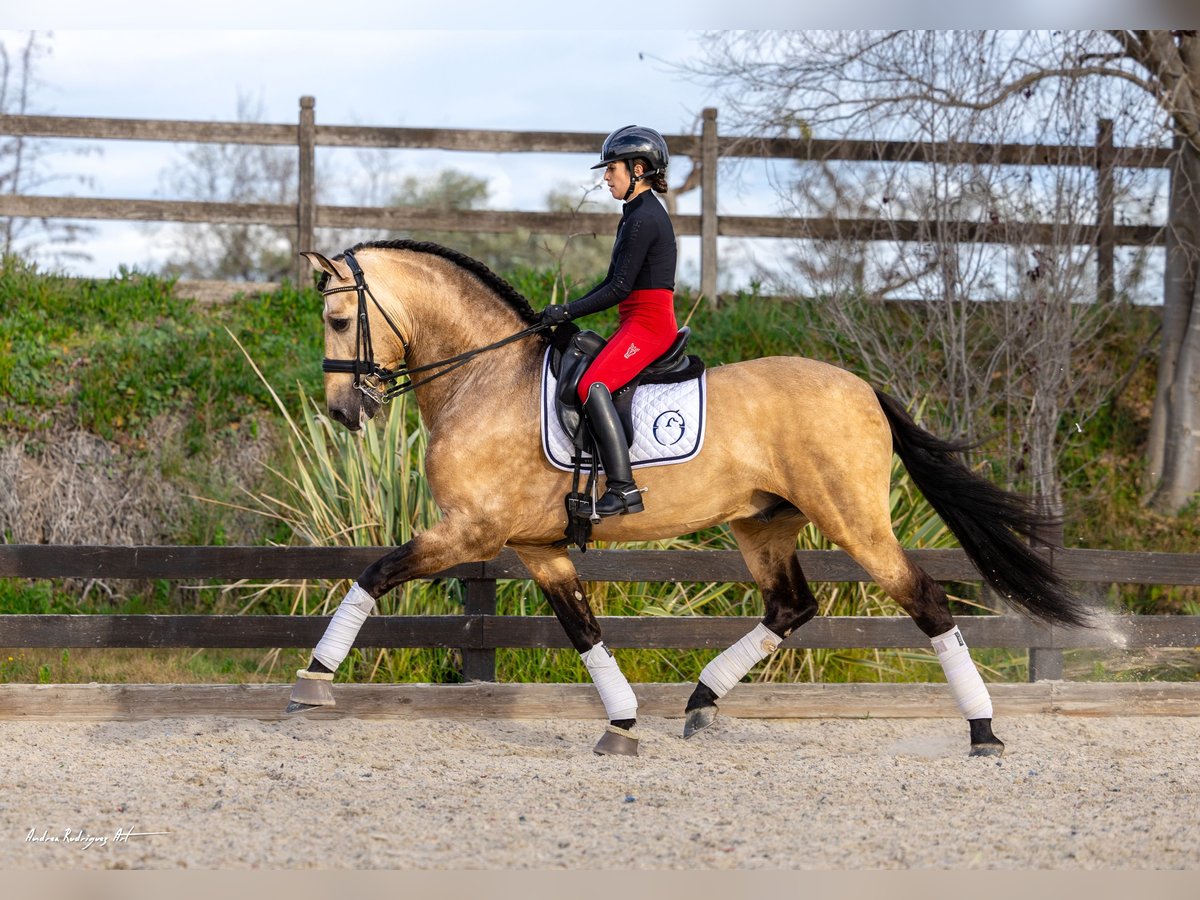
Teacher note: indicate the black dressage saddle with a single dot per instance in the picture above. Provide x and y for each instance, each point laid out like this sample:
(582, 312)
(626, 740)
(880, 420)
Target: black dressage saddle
(571, 354)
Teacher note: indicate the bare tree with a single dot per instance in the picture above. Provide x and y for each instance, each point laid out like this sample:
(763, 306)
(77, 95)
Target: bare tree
(243, 173)
(23, 161)
(1170, 68)
(983, 87)
(377, 181)
(252, 173)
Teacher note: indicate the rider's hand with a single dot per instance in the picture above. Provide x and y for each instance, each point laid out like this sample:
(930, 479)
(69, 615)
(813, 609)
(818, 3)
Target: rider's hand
(554, 315)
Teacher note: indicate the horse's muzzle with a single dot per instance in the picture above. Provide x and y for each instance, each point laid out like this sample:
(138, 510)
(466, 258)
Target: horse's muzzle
(353, 409)
(347, 417)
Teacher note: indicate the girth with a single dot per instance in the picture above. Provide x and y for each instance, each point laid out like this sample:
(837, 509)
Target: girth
(574, 350)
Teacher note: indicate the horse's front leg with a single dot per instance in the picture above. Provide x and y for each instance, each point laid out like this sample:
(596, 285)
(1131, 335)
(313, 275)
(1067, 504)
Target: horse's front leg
(555, 574)
(448, 543)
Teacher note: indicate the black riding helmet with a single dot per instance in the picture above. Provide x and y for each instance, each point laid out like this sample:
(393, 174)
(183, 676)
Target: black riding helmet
(635, 142)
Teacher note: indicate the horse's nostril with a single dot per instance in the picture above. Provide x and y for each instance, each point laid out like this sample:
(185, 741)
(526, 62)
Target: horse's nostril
(343, 417)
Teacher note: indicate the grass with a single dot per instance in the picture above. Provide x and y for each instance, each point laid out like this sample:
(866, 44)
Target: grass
(121, 665)
(111, 356)
(1152, 664)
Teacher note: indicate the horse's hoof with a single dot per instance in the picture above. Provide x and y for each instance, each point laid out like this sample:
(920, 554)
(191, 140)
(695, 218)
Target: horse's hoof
(990, 749)
(294, 707)
(699, 719)
(616, 742)
(312, 689)
(983, 741)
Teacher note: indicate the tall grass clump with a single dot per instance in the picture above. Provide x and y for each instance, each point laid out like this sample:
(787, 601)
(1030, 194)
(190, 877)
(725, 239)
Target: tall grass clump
(358, 489)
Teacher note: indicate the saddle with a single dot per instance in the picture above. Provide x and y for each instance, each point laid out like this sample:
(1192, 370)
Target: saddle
(571, 352)
(574, 350)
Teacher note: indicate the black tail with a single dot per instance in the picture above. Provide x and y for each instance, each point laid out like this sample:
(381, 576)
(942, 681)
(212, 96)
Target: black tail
(991, 524)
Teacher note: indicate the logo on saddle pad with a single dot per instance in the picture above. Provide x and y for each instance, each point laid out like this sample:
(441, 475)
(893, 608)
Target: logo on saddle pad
(669, 428)
(633, 348)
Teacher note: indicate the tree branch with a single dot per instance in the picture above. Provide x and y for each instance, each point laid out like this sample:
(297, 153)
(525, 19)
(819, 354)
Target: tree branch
(1020, 85)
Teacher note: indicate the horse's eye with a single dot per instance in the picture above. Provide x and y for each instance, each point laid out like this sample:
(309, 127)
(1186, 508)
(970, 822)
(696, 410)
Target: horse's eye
(339, 324)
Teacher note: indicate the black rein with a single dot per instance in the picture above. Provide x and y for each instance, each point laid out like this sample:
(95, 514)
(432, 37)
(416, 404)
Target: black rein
(364, 363)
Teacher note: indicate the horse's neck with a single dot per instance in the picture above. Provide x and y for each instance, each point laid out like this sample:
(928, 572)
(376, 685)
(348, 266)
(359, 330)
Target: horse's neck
(446, 330)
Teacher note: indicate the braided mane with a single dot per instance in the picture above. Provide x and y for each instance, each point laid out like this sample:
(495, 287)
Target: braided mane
(502, 288)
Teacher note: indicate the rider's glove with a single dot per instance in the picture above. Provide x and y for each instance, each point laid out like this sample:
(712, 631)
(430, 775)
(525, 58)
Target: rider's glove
(554, 315)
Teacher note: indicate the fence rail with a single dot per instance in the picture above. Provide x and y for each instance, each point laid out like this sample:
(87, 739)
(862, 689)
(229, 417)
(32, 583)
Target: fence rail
(705, 150)
(480, 631)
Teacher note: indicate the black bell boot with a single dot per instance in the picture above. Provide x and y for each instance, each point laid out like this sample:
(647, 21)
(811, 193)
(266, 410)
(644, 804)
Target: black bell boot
(622, 495)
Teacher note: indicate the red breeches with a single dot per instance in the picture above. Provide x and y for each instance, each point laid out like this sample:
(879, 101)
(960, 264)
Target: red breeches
(647, 330)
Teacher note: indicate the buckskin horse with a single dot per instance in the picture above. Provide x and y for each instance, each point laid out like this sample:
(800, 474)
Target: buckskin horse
(789, 441)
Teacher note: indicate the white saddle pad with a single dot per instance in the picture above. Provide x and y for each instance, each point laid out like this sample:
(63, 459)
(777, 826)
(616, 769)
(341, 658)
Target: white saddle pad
(668, 423)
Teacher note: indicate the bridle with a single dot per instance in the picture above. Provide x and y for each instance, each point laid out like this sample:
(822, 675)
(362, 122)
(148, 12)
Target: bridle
(377, 382)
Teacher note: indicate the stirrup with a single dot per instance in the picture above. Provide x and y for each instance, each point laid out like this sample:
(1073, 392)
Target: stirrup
(631, 501)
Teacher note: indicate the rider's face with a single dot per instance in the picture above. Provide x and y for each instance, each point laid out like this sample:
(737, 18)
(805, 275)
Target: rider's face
(616, 176)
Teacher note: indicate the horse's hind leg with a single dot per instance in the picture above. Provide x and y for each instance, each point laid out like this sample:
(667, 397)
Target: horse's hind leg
(555, 574)
(768, 545)
(930, 609)
(846, 497)
(925, 600)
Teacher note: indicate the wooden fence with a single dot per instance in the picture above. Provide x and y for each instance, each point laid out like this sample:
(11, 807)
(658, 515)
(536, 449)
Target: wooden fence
(704, 150)
(479, 631)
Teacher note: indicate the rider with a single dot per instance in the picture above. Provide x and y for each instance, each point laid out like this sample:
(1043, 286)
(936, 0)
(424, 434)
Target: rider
(640, 282)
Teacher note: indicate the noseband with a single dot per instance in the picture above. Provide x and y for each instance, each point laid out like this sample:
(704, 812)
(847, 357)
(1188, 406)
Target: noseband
(377, 382)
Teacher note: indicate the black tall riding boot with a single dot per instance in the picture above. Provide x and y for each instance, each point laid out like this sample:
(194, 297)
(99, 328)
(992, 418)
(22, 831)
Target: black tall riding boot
(622, 495)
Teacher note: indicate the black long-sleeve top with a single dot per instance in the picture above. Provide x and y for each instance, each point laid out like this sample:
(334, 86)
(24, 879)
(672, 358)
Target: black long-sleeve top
(644, 256)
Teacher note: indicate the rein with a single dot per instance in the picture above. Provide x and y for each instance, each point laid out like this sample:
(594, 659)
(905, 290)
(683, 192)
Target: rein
(383, 387)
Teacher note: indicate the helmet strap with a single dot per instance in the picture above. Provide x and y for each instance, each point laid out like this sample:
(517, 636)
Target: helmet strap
(634, 179)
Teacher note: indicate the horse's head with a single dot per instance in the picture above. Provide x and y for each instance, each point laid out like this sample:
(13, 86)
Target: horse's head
(401, 314)
(359, 342)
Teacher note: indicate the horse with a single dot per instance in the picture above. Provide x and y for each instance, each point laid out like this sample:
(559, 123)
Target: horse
(789, 441)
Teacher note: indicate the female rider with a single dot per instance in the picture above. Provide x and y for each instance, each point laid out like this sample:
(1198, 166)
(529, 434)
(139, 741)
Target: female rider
(640, 282)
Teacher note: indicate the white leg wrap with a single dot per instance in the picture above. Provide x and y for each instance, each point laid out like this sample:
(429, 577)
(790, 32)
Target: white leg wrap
(615, 692)
(970, 693)
(343, 628)
(730, 667)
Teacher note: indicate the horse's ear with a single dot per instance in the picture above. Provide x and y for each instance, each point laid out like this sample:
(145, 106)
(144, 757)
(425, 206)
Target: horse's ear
(320, 263)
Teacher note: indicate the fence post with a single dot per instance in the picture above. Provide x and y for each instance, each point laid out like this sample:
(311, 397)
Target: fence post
(1105, 214)
(306, 211)
(1046, 663)
(708, 206)
(479, 665)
